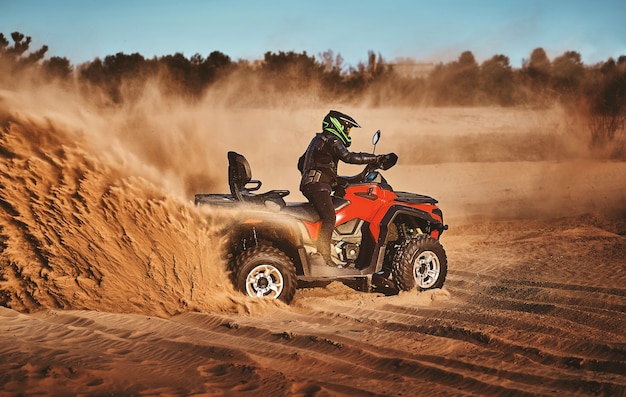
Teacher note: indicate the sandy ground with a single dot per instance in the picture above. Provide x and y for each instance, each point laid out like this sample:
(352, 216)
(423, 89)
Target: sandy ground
(111, 282)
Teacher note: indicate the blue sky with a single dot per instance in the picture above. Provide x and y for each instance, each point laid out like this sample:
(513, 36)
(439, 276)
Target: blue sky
(426, 31)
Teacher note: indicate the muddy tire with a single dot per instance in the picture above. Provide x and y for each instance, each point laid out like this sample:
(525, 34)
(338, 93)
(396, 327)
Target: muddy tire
(420, 263)
(265, 272)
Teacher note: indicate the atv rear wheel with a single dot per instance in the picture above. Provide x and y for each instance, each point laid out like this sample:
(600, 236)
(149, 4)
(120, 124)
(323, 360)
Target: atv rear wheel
(265, 272)
(420, 262)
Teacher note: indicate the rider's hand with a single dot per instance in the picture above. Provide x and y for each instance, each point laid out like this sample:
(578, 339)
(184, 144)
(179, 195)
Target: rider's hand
(388, 160)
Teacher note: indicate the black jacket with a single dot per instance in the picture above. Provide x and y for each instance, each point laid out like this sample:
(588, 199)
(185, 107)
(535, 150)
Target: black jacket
(319, 162)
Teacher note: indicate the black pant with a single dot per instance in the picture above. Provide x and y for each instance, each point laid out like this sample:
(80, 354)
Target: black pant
(319, 195)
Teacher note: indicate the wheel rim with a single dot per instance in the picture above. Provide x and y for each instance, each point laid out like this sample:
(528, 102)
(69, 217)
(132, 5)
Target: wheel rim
(264, 281)
(426, 268)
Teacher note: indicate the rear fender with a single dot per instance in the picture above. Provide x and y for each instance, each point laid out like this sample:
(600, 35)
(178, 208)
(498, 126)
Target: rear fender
(280, 233)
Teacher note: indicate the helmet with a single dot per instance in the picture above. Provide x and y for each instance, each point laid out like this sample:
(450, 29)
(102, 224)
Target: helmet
(339, 124)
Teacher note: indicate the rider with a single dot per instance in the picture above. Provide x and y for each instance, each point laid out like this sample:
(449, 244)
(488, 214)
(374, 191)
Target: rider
(318, 166)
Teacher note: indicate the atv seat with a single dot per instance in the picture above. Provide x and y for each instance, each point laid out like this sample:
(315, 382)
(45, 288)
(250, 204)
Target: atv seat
(239, 179)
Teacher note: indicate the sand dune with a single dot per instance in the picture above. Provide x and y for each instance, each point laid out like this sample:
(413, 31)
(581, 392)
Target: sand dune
(111, 281)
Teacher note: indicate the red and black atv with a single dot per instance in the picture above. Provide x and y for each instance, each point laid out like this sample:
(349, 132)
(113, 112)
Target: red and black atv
(385, 240)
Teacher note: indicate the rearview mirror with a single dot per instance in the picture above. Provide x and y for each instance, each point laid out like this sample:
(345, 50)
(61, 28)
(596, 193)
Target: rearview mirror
(375, 139)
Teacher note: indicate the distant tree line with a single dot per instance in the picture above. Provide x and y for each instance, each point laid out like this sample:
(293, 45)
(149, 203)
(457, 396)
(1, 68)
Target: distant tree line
(597, 92)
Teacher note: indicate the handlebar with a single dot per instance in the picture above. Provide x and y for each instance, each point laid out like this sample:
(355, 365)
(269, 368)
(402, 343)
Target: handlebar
(388, 161)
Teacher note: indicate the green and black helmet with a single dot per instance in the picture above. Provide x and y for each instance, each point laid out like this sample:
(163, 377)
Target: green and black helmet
(339, 124)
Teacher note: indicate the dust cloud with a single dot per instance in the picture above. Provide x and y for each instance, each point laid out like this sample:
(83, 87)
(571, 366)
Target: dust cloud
(97, 199)
(96, 214)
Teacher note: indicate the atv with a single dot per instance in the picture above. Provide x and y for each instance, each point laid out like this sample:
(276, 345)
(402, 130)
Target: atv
(384, 240)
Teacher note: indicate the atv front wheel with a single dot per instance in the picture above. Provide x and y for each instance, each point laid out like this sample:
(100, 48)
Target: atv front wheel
(420, 262)
(265, 272)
